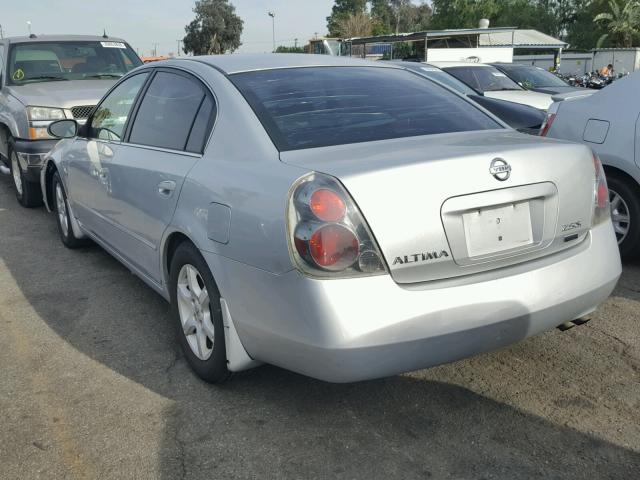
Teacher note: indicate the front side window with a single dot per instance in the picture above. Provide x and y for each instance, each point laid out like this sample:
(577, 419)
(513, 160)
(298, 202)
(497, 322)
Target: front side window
(53, 61)
(323, 106)
(168, 112)
(110, 117)
(485, 79)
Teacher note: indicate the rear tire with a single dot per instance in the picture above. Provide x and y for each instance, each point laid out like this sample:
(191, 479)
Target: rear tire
(197, 314)
(63, 215)
(28, 193)
(625, 214)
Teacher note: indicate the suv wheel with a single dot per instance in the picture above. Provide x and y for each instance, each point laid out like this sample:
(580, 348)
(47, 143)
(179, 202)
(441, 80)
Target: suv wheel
(28, 193)
(195, 307)
(625, 215)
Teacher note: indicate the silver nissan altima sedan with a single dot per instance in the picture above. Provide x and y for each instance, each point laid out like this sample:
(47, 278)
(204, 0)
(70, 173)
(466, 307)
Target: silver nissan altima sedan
(343, 219)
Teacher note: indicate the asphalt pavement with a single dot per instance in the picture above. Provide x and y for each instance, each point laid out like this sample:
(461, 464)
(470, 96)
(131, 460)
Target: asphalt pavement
(92, 385)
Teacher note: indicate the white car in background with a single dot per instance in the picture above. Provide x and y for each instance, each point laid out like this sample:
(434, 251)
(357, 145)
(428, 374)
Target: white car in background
(494, 83)
(609, 122)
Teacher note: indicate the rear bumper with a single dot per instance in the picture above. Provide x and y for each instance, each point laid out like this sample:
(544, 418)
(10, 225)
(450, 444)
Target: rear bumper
(31, 155)
(356, 329)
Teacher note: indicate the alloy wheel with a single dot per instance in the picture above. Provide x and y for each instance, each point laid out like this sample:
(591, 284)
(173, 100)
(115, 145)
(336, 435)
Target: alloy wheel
(61, 208)
(619, 215)
(15, 170)
(194, 311)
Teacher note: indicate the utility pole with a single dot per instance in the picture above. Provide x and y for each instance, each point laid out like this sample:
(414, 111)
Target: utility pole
(295, 42)
(316, 35)
(155, 49)
(1, 32)
(273, 27)
(179, 46)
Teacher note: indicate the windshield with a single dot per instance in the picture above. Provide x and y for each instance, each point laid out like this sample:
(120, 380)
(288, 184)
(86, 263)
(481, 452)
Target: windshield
(533, 77)
(54, 61)
(485, 79)
(446, 79)
(323, 106)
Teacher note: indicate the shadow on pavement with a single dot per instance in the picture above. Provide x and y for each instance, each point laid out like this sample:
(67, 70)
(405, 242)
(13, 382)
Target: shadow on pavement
(268, 422)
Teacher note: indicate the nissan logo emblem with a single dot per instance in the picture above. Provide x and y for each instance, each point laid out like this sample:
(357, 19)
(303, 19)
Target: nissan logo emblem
(500, 169)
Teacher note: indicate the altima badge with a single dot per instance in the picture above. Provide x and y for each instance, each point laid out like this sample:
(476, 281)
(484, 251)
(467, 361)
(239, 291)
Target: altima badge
(500, 169)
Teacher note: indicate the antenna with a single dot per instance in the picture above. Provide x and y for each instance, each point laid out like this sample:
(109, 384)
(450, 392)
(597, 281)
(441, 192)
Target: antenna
(31, 35)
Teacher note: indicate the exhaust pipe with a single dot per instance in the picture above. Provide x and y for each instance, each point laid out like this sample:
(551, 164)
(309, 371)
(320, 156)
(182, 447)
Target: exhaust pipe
(4, 170)
(574, 323)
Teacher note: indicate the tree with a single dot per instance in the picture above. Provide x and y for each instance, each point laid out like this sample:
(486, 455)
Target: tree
(215, 30)
(341, 10)
(393, 16)
(284, 49)
(622, 22)
(355, 25)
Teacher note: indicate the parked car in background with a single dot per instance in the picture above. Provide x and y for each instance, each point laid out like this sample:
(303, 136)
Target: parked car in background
(607, 121)
(366, 222)
(494, 83)
(47, 78)
(523, 118)
(536, 79)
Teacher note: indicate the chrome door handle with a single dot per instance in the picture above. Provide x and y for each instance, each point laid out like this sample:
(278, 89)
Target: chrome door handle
(166, 188)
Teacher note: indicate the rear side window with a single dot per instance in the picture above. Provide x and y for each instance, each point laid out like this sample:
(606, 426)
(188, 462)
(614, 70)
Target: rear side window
(323, 106)
(168, 112)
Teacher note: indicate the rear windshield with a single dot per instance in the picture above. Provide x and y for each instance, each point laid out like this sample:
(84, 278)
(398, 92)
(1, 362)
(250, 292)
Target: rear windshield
(534, 77)
(449, 80)
(323, 106)
(54, 61)
(485, 79)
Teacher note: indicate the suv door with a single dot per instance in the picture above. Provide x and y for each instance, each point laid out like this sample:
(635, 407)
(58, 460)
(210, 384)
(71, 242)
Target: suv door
(164, 141)
(87, 162)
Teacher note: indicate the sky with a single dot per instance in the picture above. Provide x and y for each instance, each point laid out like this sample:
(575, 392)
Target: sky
(145, 23)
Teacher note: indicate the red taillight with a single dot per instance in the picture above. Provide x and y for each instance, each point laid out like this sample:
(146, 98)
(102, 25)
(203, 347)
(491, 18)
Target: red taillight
(328, 235)
(601, 207)
(602, 190)
(333, 247)
(603, 196)
(546, 126)
(327, 205)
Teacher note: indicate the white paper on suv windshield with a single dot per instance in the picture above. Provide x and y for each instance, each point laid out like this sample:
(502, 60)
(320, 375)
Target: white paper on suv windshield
(113, 45)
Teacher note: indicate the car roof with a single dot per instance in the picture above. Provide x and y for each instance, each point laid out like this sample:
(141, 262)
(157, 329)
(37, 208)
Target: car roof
(459, 64)
(62, 38)
(237, 63)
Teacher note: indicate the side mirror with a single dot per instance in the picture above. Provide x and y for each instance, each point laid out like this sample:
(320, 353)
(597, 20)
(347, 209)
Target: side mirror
(63, 128)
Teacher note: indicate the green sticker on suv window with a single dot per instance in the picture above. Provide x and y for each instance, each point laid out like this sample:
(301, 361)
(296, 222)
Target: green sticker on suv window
(18, 74)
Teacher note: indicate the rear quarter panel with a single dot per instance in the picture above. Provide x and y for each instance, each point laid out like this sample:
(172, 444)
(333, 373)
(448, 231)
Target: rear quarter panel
(619, 105)
(241, 170)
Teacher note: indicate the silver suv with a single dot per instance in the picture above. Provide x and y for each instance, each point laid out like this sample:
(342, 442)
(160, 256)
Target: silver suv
(47, 78)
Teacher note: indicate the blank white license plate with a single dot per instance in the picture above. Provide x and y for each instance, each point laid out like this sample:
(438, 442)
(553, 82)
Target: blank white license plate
(491, 230)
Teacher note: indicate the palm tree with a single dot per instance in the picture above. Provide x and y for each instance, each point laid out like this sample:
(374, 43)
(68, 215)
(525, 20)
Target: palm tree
(623, 22)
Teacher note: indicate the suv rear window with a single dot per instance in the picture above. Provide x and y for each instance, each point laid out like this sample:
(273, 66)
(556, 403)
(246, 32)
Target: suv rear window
(323, 106)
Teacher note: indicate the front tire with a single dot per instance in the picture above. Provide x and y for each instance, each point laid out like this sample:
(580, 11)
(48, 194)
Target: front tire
(28, 193)
(63, 215)
(195, 308)
(625, 214)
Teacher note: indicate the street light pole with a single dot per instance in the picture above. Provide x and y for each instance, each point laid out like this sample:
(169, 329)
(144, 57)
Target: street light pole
(273, 28)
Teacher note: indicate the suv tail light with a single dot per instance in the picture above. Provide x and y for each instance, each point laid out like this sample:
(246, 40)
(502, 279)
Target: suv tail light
(601, 208)
(328, 237)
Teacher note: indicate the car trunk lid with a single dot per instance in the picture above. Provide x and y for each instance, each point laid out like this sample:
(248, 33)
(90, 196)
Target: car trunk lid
(447, 205)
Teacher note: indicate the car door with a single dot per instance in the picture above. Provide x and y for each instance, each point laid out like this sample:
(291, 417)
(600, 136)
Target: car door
(164, 140)
(87, 161)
